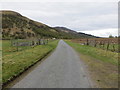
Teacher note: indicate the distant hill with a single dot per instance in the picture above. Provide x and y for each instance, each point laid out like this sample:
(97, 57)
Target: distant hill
(74, 33)
(15, 25)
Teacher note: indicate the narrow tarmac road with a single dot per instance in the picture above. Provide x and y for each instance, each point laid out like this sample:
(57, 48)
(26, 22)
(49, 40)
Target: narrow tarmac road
(62, 69)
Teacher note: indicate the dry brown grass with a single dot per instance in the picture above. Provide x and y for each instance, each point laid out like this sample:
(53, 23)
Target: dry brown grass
(105, 75)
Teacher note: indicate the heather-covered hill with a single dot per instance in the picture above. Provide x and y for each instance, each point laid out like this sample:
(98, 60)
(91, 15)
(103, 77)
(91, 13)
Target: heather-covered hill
(14, 25)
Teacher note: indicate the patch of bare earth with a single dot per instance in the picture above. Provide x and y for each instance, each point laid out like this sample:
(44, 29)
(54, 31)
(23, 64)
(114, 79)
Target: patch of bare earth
(105, 75)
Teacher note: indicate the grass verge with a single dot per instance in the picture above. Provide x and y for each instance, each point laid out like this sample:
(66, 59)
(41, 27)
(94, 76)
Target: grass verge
(104, 55)
(13, 63)
(102, 65)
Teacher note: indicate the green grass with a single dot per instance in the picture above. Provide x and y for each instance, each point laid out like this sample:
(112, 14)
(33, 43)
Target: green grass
(14, 62)
(9, 49)
(104, 55)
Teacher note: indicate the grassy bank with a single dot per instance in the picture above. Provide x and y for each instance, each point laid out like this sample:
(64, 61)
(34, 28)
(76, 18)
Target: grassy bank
(101, 64)
(104, 55)
(14, 62)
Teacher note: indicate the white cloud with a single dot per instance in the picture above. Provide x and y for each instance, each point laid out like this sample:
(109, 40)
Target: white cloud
(103, 32)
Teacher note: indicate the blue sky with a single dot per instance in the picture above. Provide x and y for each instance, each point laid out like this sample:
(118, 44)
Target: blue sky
(96, 18)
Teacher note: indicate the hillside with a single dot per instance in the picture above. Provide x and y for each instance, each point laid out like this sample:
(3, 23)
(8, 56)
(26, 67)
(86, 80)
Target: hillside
(15, 25)
(74, 33)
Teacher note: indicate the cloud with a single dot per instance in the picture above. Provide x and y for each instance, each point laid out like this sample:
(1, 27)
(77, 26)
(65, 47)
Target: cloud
(103, 32)
(79, 16)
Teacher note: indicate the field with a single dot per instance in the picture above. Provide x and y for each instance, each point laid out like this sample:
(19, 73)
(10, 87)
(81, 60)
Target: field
(16, 61)
(102, 64)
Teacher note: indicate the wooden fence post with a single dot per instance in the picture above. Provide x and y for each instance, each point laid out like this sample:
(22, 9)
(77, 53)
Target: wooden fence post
(47, 41)
(113, 47)
(108, 45)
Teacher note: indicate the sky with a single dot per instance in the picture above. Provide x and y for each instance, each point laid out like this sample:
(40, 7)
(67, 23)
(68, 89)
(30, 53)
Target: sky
(95, 18)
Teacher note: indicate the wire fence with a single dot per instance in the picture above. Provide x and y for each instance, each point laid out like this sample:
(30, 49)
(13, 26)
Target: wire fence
(111, 44)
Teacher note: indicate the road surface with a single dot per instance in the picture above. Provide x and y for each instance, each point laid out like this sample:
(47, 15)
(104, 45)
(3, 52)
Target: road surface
(62, 69)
